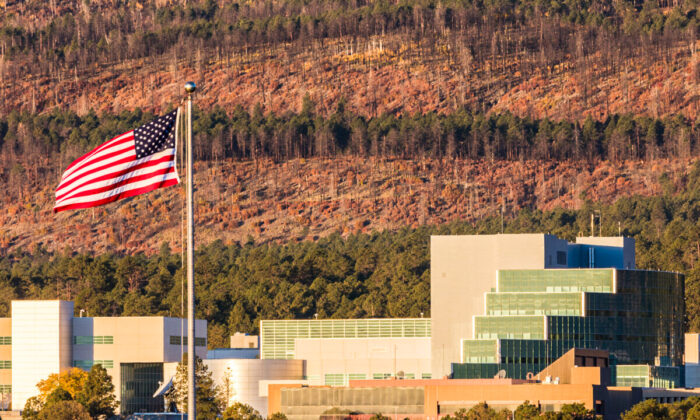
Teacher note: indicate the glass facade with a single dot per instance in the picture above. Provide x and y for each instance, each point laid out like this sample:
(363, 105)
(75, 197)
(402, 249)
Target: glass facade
(538, 315)
(6, 341)
(647, 376)
(138, 383)
(277, 336)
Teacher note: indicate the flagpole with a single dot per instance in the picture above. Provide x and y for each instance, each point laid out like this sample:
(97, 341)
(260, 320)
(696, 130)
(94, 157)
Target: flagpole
(190, 88)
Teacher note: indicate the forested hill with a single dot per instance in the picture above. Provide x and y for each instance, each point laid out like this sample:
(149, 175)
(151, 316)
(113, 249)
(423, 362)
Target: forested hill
(563, 59)
(363, 275)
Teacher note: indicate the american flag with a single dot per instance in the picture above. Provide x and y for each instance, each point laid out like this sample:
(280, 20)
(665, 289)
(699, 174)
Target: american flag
(133, 163)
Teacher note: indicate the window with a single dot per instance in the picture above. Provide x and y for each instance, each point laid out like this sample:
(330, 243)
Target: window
(5, 341)
(335, 379)
(381, 375)
(5, 389)
(93, 339)
(198, 341)
(88, 364)
(5, 364)
(426, 376)
(138, 381)
(357, 376)
(561, 257)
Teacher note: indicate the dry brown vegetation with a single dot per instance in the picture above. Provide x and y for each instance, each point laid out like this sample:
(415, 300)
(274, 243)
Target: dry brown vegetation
(307, 199)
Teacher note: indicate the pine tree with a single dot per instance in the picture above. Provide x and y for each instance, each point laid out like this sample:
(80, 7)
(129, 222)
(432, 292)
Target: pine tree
(209, 401)
(97, 395)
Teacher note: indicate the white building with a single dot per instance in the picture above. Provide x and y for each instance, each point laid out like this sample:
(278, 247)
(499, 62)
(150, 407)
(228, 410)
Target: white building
(46, 338)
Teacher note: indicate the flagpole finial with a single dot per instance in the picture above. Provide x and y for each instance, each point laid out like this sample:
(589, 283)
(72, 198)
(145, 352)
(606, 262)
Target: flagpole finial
(190, 87)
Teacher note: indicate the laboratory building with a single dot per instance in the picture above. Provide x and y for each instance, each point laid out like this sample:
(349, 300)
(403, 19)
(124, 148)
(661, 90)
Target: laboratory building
(514, 317)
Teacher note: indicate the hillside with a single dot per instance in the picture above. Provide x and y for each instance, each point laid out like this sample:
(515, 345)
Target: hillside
(319, 117)
(377, 57)
(305, 199)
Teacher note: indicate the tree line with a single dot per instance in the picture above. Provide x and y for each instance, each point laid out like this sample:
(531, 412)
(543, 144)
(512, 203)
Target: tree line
(42, 145)
(383, 274)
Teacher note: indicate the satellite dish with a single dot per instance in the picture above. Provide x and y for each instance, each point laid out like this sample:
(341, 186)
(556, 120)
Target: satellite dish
(400, 374)
(501, 374)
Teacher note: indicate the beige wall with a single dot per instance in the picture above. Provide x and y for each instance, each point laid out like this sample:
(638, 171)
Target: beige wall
(362, 356)
(692, 349)
(244, 341)
(462, 269)
(136, 340)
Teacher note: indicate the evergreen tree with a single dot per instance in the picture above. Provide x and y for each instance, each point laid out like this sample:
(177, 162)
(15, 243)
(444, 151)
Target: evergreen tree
(97, 394)
(240, 411)
(526, 411)
(209, 401)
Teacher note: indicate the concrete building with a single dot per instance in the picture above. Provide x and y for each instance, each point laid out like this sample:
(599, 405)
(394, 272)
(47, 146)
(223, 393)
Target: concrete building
(133, 350)
(43, 337)
(584, 378)
(240, 379)
(339, 350)
(464, 269)
(41, 344)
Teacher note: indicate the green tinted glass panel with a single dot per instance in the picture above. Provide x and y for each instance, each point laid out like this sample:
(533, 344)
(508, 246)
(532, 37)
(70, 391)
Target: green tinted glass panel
(556, 281)
(381, 375)
(426, 376)
(277, 336)
(479, 351)
(93, 339)
(335, 379)
(88, 364)
(6, 341)
(631, 375)
(5, 389)
(492, 327)
(498, 304)
(357, 376)
(5, 364)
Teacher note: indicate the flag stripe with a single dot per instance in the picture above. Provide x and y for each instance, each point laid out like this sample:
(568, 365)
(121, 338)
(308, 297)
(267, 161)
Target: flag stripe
(116, 163)
(106, 157)
(122, 194)
(150, 169)
(132, 163)
(114, 169)
(111, 143)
